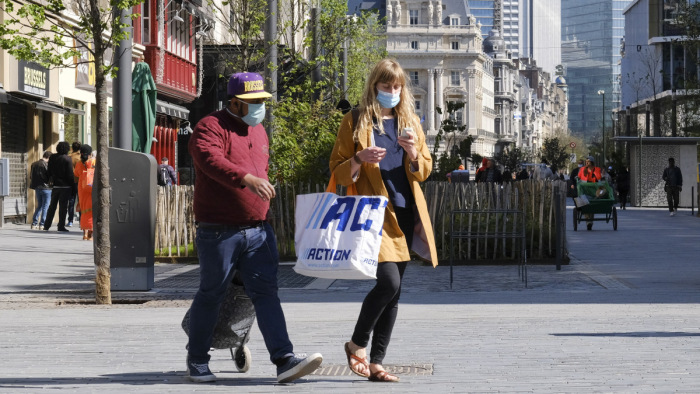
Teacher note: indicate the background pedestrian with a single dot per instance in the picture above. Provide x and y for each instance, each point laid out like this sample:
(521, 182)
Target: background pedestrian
(85, 171)
(61, 173)
(41, 184)
(674, 185)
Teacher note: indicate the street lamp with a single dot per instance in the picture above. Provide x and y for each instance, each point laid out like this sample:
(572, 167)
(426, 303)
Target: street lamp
(613, 129)
(673, 113)
(628, 132)
(648, 108)
(602, 93)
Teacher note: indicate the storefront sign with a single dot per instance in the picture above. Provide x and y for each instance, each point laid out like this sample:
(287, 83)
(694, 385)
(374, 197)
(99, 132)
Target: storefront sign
(85, 69)
(33, 79)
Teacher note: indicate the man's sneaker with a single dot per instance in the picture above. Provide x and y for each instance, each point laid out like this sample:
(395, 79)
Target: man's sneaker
(673, 213)
(297, 366)
(70, 224)
(199, 373)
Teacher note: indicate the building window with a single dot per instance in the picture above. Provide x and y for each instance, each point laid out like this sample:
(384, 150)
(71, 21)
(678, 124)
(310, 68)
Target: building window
(455, 45)
(454, 21)
(414, 44)
(454, 78)
(458, 115)
(413, 75)
(178, 31)
(74, 124)
(146, 22)
(413, 17)
(417, 105)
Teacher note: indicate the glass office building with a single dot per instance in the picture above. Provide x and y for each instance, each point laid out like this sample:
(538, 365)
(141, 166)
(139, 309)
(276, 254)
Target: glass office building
(590, 37)
(483, 10)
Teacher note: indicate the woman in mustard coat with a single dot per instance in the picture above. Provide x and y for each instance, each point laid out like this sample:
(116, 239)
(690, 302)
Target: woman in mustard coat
(386, 154)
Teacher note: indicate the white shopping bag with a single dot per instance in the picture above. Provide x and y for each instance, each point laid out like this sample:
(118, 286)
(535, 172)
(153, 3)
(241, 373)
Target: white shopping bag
(338, 237)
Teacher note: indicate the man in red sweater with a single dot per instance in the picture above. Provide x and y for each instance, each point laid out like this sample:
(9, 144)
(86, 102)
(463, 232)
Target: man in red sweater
(231, 202)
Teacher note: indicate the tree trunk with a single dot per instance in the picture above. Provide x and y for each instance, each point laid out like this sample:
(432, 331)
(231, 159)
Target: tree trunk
(102, 244)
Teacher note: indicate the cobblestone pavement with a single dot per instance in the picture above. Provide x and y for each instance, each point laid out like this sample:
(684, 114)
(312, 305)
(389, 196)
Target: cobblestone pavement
(622, 317)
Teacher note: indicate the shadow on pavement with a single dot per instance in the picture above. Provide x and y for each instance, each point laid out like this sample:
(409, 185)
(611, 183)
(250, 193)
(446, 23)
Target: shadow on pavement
(634, 334)
(149, 378)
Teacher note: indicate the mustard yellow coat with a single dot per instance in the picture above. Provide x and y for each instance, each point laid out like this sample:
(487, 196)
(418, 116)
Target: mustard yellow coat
(369, 182)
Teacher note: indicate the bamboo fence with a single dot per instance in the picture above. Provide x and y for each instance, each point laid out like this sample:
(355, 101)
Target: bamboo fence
(175, 218)
(534, 198)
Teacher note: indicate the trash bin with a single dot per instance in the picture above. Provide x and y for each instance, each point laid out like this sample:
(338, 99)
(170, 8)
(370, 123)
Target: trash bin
(132, 219)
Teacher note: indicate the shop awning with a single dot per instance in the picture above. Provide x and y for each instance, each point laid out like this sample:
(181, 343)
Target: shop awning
(45, 105)
(173, 110)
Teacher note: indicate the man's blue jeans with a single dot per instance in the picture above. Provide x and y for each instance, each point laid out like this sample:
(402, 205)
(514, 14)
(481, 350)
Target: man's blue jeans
(71, 203)
(253, 253)
(43, 199)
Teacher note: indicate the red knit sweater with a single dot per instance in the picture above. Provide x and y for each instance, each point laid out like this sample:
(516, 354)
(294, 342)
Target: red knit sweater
(224, 149)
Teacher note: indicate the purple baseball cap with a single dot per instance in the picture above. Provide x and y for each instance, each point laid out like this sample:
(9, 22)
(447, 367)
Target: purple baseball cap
(247, 86)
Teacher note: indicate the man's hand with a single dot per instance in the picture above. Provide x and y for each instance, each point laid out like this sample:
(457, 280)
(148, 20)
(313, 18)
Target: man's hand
(259, 186)
(680, 188)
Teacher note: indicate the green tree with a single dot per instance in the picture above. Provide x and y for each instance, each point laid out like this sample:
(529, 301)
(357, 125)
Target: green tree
(511, 158)
(306, 120)
(363, 36)
(476, 159)
(457, 144)
(37, 32)
(243, 23)
(554, 152)
(300, 151)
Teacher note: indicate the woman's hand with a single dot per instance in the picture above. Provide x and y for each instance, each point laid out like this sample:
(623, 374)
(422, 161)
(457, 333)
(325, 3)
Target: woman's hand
(408, 143)
(373, 154)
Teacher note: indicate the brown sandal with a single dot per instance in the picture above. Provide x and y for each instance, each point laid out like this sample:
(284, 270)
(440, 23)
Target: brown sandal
(383, 376)
(353, 361)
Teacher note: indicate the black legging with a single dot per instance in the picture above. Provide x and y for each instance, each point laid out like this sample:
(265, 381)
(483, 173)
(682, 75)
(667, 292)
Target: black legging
(380, 306)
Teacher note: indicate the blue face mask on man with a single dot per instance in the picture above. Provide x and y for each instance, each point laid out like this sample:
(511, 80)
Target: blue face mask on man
(388, 100)
(256, 114)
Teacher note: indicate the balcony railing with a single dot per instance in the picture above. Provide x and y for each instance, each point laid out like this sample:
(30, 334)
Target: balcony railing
(179, 75)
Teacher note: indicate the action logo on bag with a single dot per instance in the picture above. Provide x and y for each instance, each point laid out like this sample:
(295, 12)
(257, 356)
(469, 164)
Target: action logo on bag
(342, 210)
(339, 237)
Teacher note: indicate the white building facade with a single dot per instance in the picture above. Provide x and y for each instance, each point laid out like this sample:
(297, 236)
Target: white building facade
(440, 47)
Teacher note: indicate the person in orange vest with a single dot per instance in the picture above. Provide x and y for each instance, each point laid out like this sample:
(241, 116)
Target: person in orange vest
(589, 172)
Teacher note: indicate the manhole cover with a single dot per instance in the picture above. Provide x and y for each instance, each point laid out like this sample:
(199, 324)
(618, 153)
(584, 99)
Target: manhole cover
(343, 370)
(287, 278)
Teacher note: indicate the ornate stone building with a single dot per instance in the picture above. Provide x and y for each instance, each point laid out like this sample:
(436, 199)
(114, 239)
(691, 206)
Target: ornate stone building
(544, 105)
(507, 92)
(440, 47)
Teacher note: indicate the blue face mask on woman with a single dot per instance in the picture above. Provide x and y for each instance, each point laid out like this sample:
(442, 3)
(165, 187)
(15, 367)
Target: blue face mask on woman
(256, 114)
(388, 100)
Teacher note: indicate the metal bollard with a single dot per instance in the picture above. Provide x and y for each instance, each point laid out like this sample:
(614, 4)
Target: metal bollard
(692, 201)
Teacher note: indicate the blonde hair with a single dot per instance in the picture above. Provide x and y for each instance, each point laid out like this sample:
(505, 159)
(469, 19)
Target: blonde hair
(386, 71)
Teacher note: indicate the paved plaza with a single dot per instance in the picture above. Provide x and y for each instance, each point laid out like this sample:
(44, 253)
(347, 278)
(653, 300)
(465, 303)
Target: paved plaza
(622, 317)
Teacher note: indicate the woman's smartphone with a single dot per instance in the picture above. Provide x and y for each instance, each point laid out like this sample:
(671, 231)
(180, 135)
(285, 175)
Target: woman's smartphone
(403, 133)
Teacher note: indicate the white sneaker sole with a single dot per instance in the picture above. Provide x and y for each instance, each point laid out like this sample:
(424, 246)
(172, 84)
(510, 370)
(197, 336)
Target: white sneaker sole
(304, 368)
(202, 379)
